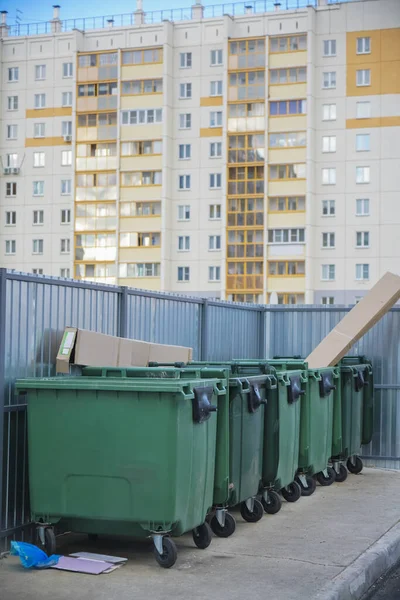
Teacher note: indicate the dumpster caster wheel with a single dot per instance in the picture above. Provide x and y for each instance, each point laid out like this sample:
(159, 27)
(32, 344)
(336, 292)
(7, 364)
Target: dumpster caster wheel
(202, 536)
(326, 477)
(168, 558)
(311, 485)
(223, 531)
(355, 468)
(254, 515)
(93, 537)
(272, 504)
(342, 475)
(292, 492)
(50, 543)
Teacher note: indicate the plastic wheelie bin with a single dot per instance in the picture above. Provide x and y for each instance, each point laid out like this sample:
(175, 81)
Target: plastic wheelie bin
(123, 456)
(357, 409)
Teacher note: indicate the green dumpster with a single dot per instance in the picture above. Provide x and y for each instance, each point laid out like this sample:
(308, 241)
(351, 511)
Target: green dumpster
(122, 456)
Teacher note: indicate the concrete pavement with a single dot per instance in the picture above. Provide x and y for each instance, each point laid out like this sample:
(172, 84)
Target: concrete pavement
(299, 553)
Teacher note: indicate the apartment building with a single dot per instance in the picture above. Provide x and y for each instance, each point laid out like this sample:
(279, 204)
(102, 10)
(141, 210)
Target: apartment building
(253, 157)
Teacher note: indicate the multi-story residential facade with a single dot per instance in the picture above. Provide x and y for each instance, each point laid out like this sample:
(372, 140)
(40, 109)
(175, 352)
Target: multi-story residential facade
(254, 158)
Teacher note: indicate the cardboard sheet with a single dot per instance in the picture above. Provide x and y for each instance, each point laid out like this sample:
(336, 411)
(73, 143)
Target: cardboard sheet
(82, 565)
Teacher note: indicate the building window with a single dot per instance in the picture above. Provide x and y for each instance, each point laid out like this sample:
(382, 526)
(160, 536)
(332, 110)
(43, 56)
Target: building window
(185, 121)
(38, 217)
(137, 209)
(12, 160)
(215, 181)
(141, 240)
(12, 103)
(297, 171)
(362, 207)
(296, 139)
(11, 217)
(38, 188)
(216, 118)
(66, 187)
(362, 272)
(328, 272)
(141, 178)
(65, 216)
(183, 212)
(147, 147)
(137, 57)
(329, 143)
(40, 101)
(13, 74)
(214, 273)
(214, 242)
(329, 112)
(185, 151)
(66, 128)
(12, 132)
(66, 158)
(287, 204)
(327, 300)
(65, 273)
(65, 246)
(139, 270)
(37, 247)
(362, 239)
(184, 182)
(183, 273)
(11, 189)
(185, 60)
(39, 159)
(67, 70)
(363, 77)
(40, 72)
(328, 208)
(184, 243)
(362, 175)
(216, 88)
(328, 240)
(329, 47)
(246, 180)
(287, 107)
(11, 246)
(362, 142)
(215, 149)
(37, 271)
(285, 268)
(329, 176)
(293, 75)
(39, 130)
(363, 45)
(288, 43)
(329, 80)
(216, 58)
(363, 110)
(185, 90)
(247, 85)
(286, 236)
(141, 117)
(214, 213)
(66, 99)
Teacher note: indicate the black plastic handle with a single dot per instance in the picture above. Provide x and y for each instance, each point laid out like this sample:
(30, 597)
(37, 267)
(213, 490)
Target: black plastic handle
(326, 384)
(254, 400)
(294, 390)
(359, 381)
(201, 404)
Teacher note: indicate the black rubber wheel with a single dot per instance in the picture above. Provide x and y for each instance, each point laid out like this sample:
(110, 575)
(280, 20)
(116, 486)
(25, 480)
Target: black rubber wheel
(292, 492)
(93, 537)
(256, 515)
(342, 475)
(311, 486)
(274, 503)
(357, 468)
(325, 481)
(50, 543)
(168, 558)
(202, 536)
(227, 530)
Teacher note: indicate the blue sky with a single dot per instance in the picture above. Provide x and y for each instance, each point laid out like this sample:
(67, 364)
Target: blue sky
(41, 10)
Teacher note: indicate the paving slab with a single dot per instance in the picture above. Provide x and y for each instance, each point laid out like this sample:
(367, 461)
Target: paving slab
(294, 555)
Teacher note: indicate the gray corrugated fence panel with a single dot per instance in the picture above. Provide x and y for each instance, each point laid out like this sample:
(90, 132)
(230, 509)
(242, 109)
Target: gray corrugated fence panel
(233, 332)
(164, 319)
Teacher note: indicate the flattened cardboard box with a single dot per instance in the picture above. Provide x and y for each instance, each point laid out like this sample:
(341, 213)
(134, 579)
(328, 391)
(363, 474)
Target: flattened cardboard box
(91, 349)
(357, 322)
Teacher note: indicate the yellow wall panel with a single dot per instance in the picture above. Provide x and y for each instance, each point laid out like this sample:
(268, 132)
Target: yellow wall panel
(375, 122)
(390, 77)
(287, 123)
(146, 283)
(286, 284)
(287, 219)
(48, 141)
(40, 113)
(287, 188)
(141, 132)
(352, 89)
(390, 44)
(141, 163)
(287, 59)
(140, 224)
(211, 132)
(137, 194)
(287, 155)
(141, 71)
(211, 101)
(287, 91)
(140, 255)
(363, 59)
(142, 101)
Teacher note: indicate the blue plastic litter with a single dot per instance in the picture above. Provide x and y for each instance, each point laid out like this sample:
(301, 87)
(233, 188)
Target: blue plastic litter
(33, 557)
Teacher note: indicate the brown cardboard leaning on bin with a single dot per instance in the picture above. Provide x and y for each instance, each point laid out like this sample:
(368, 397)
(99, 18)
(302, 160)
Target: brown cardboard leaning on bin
(357, 322)
(91, 349)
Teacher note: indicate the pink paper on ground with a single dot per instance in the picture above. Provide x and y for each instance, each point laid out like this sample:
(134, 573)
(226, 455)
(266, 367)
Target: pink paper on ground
(80, 565)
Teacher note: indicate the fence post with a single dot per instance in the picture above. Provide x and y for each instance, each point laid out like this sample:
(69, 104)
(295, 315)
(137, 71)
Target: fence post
(204, 330)
(3, 297)
(123, 312)
(261, 329)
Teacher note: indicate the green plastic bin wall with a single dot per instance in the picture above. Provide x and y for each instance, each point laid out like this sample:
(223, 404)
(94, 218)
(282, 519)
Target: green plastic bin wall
(365, 378)
(121, 456)
(357, 407)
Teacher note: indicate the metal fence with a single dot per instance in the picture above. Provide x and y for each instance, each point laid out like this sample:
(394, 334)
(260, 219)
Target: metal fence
(34, 311)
